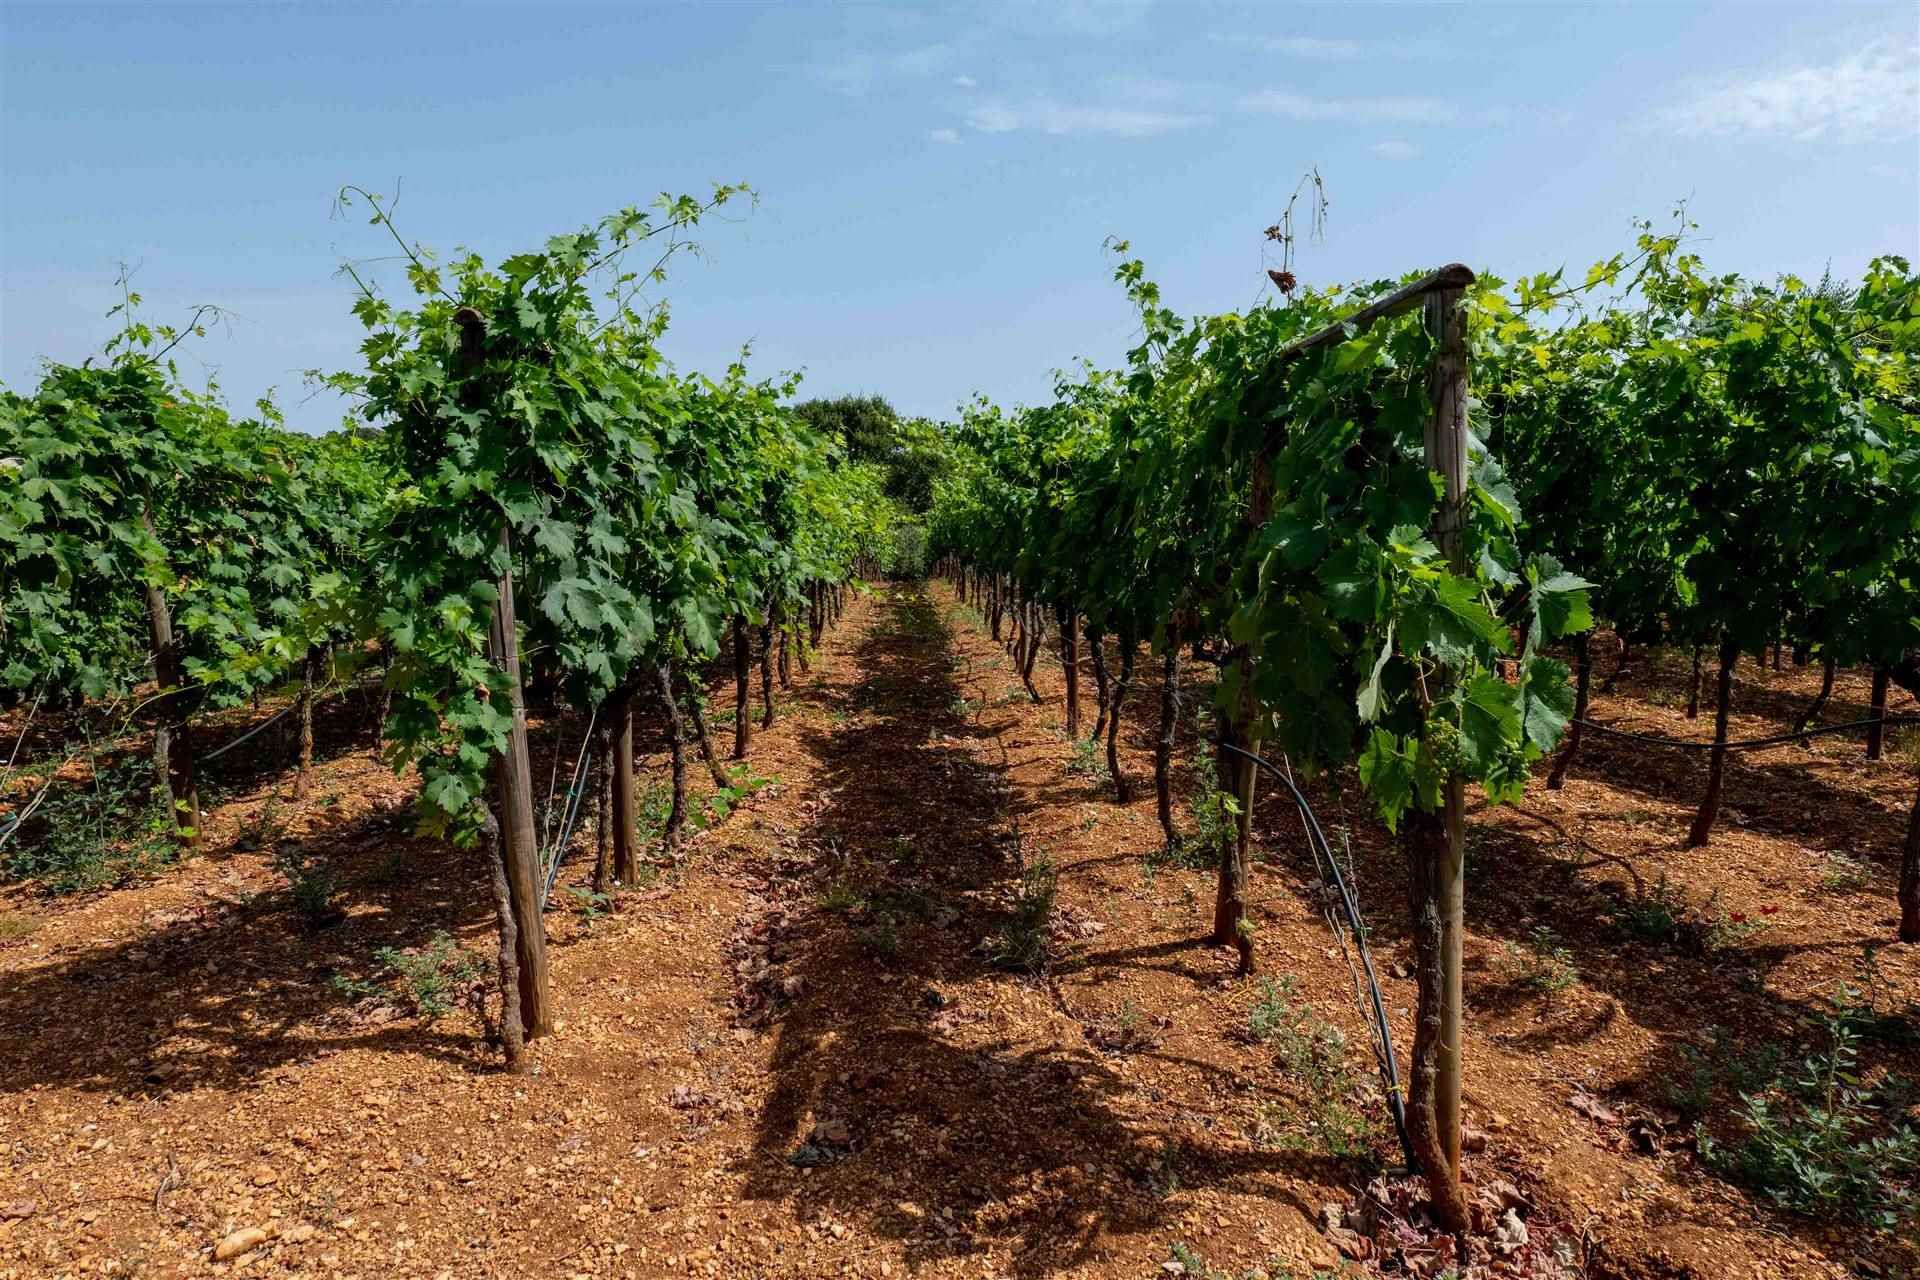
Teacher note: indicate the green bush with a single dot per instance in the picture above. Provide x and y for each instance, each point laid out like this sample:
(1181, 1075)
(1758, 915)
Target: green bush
(311, 884)
(1824, 1139)
(114, 830)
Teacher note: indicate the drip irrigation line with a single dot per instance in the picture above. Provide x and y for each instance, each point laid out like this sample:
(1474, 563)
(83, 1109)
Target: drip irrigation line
(1383, 1030)
(1749, 744)
(32, 711)
(276, 718)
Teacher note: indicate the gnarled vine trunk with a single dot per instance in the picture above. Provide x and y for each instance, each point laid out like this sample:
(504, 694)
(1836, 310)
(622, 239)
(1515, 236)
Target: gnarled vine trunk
(1584, 658)
(172, 744)
(512, 1019)
(1433, 1082)
(1163, 743)
(303, 776)
(1102, 684)
(696, 710)
(513, 784)
(1819, 703)
(1121, 792)
(766, 675)
(676, 755)
(1877, 708)
(1693, 686)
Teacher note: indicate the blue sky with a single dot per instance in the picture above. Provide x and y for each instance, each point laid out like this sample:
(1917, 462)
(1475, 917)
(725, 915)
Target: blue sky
(935, 181)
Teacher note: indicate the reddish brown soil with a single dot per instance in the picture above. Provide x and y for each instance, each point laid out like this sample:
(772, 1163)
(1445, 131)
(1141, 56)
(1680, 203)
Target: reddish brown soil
(809, 988)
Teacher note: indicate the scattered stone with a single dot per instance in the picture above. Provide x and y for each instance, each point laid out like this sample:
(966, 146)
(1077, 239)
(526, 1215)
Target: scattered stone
(242, 1241)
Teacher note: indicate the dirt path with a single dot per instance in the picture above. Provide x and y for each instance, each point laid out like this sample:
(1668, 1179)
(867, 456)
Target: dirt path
(793, 1056)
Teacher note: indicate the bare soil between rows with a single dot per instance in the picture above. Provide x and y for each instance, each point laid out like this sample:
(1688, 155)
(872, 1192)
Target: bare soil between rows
(791, 1055)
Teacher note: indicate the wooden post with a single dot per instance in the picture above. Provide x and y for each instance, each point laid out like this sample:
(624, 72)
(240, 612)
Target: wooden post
(742, 687)
(513, 781)
(172, 749)
(1070, 656)
(512, 773)
(1717, 759)
(626, 826)
(1439, 843)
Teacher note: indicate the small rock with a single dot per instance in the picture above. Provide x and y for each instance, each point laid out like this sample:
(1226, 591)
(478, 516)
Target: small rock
(241, 1241)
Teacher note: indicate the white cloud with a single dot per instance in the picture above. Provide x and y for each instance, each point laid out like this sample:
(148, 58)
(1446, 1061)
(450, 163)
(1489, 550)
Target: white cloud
(965, 82)
(949, 136)
(1394, 149)
(1872, 95)
(1066, 119)
(1296, 106)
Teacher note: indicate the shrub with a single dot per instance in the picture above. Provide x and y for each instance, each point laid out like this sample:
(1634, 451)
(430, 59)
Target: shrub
(112, 831)
(1658, 914)
(311, 884)
(1822, 1138)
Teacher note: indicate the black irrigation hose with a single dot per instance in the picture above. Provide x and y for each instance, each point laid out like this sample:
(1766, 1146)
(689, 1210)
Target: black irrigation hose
(1383, 1031)
(1749, 744)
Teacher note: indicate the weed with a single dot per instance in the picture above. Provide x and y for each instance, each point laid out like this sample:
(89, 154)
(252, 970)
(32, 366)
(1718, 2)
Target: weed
(842, 898)
(1215, 813)
(1845, 875)
(592, 905)
(16, 924)
(429, 981)
(1542, 964)
(1313, 1055)
(264, 827)
(392, 869)
(113, 831)
(880, 936)
(1270, 1010)
(1184, 1261)
(1725, 1064)
(1087, 760)
(1021, 942)
(1658, 914)
(961, 709)
(311, 884)
(723, 801)
(1822, 1138)
(1723, 930)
